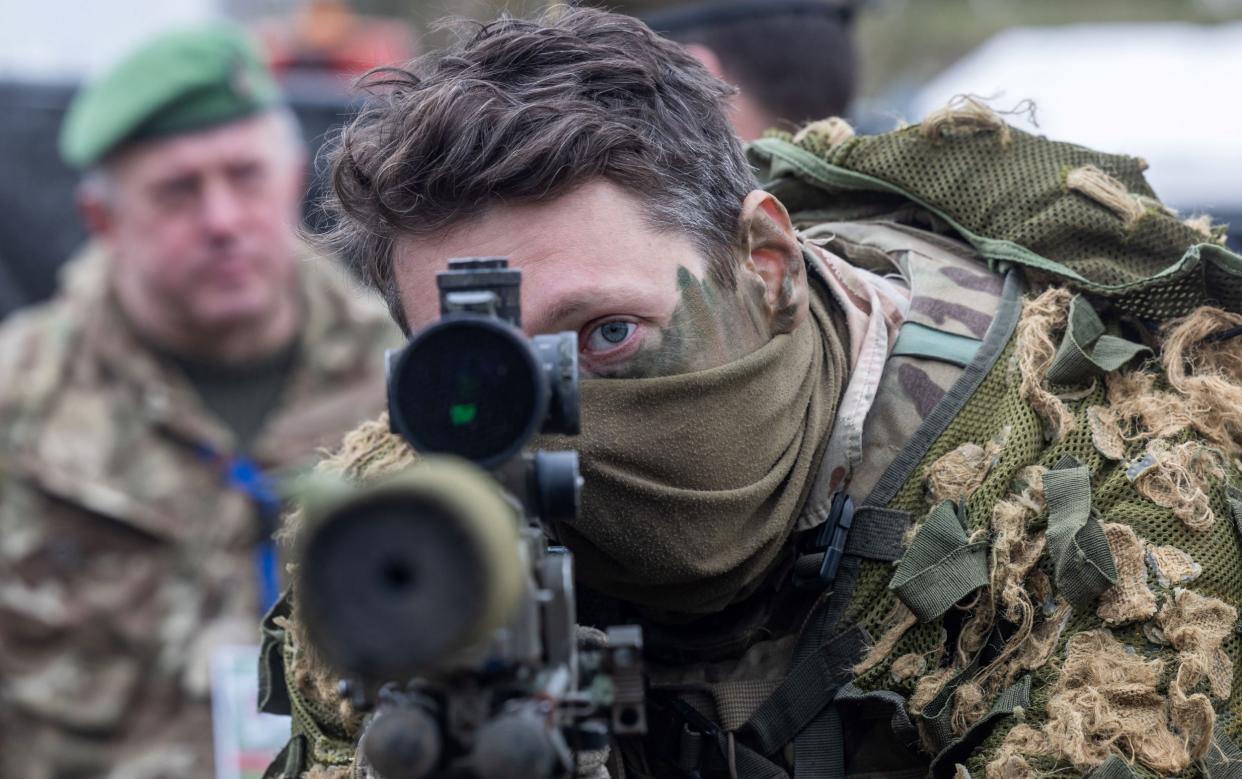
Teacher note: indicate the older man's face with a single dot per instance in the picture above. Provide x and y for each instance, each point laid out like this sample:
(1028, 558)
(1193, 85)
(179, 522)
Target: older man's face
(202, 225)
(641, 301)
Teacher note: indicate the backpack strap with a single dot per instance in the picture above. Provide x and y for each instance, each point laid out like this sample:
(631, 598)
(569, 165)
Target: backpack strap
(915, 339)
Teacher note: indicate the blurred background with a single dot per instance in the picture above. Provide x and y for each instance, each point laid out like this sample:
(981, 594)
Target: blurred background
(1152, 78)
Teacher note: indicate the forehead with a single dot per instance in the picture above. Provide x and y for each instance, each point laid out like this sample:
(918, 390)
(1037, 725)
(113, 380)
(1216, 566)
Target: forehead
(597, 238)
(250, 138)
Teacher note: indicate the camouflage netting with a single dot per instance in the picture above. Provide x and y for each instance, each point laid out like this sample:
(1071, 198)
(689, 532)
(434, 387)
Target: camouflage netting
(1147, 668)
(1063, 211)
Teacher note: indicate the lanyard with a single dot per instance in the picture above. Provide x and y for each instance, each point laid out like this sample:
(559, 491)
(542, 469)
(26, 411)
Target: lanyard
(244, 475)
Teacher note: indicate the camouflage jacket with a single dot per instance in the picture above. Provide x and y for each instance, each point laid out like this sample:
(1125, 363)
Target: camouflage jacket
(125, 555)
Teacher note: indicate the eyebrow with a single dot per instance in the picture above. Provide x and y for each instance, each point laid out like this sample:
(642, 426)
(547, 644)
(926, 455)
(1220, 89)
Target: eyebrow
(574, 303)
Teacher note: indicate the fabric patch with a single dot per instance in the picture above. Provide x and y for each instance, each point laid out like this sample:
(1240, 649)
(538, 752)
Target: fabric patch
(899, 620)
(1207, 372)
(1009, 763)
(909, 666)
(1035, 350)
(1105, 433)
(1107, 701)
(1130, 599)
(1171, 566)
(1178, 478)
(1196, 625)
(956, 475)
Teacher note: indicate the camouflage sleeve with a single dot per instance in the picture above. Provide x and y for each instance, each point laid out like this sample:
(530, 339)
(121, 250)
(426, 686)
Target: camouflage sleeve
(74, 633)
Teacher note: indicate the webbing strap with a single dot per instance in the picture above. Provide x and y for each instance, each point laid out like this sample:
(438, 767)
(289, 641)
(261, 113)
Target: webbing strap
(1224, 759)
(1087, 350)
(1113, 768)
(941, 566)
(956, 750)
(855, 700)
(819, 750)
(1234, 496)
(919, 340)
(289, 762)
(878, 533)
(1083, 564)
(273, 692)
(803, 694)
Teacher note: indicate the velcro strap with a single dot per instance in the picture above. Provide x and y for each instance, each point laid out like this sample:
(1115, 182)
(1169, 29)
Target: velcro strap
(1083, 564)
(1086, 350)
(803, 694)
(941, 566)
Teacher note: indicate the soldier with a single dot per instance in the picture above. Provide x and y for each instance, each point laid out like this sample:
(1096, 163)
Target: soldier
(733, 40)
(816, 457)
(196, 353)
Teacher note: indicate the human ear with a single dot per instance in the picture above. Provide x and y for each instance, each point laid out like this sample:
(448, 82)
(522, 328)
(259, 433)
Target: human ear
(708, 59)
(771, 251)
(96, 212)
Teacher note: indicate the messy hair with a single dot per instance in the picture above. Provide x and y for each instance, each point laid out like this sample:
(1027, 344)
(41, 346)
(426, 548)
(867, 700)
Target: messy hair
(524, 111)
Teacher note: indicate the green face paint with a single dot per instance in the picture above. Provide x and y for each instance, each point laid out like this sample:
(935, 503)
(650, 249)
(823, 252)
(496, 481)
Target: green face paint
(710, 326)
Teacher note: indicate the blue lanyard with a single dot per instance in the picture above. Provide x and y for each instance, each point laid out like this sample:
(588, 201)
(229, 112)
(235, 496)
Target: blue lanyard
(244, 475)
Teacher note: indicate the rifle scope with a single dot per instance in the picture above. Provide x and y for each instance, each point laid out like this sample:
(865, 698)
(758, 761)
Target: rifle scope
(472, 384)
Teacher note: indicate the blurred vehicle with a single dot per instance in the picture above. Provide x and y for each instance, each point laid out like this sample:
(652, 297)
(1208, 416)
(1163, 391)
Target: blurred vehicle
(1156, 91)
(329, 37)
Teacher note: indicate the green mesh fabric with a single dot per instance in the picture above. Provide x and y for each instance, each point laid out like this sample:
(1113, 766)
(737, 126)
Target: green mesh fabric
(1009, 198)
(997, 405)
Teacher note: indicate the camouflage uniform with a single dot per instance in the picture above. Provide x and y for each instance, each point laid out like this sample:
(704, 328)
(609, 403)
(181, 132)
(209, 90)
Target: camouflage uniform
(125, 555)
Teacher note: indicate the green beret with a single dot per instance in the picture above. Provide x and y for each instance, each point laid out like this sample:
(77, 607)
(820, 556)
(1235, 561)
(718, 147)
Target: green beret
(179, 82)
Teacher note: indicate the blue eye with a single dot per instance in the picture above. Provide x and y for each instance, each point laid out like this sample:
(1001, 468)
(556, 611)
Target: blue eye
(610, 335)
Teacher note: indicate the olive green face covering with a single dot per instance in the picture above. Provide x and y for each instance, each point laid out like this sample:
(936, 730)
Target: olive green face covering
(694, 481)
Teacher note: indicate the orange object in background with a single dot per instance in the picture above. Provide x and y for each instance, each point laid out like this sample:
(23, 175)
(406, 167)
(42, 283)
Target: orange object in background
(327, 36)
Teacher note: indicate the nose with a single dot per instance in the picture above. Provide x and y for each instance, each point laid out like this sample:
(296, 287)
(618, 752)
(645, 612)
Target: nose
(222, 209)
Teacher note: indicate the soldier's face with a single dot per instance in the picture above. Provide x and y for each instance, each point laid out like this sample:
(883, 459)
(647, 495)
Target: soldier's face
(642, 301)
(202, 226)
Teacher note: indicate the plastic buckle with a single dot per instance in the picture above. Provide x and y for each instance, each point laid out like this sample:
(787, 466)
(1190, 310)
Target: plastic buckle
(830, 541)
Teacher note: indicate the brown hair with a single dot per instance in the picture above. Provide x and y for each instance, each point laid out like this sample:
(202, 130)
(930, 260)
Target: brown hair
(524, 111)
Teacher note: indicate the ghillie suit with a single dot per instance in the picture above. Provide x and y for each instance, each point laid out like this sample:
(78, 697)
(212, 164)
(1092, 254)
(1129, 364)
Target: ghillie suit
(1043, 579)
(1066, 601)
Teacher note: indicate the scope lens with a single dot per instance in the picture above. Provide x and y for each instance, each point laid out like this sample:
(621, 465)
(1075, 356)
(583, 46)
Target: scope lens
(390, 585)
(470, 388)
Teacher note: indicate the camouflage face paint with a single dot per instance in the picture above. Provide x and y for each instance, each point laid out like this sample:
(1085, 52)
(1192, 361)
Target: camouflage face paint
(710, 326)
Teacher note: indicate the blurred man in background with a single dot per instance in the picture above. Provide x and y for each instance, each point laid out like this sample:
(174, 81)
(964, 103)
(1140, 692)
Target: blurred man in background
(810, 75)
(195, 352)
